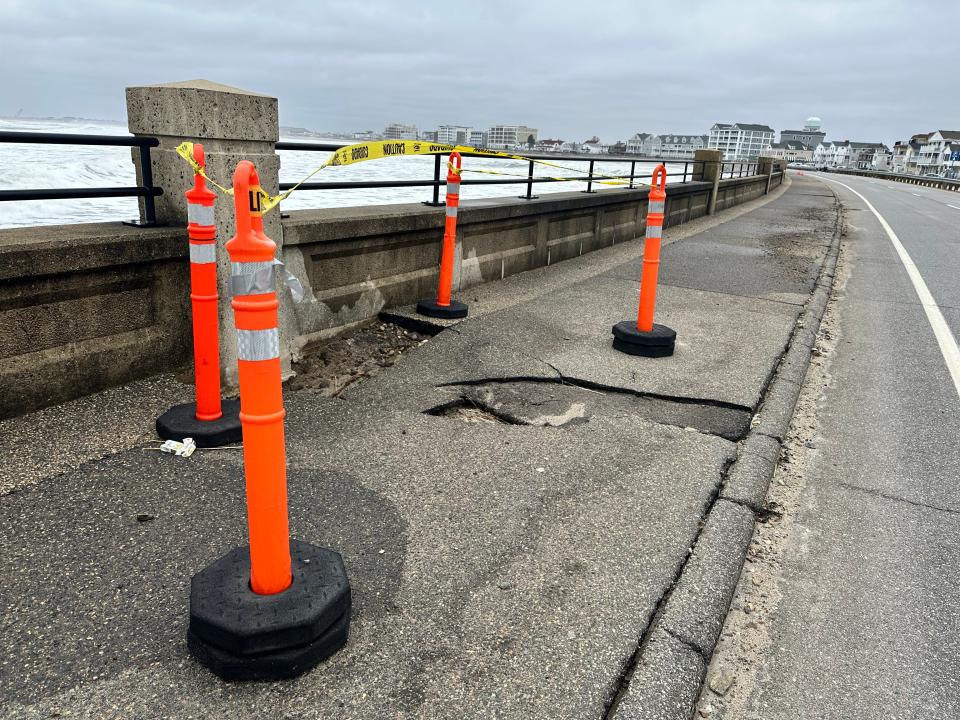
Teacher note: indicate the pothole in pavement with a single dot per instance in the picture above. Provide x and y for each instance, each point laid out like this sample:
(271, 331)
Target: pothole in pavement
(330, 366)
(467, 412)
(552, 403)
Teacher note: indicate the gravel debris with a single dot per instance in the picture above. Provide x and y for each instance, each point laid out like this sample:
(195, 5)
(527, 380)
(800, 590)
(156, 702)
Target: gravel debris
(331, 366)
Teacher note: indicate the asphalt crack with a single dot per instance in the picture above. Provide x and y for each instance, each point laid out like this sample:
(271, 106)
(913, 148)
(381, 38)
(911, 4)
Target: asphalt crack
(541, 401)
(622, 683)
(897, 498)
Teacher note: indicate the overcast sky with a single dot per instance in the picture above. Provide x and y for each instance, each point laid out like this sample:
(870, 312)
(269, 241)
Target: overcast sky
(872, 69)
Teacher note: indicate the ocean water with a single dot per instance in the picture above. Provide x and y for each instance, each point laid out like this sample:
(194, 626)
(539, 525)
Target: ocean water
(76, 166)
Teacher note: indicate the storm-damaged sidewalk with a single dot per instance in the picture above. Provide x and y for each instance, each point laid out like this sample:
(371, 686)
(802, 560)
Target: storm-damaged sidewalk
(515, 502)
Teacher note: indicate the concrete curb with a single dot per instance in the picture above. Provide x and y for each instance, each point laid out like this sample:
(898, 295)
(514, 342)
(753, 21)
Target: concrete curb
(670, 670)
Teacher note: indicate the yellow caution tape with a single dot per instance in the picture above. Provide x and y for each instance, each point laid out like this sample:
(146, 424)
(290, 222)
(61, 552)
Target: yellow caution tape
(618, 180)
(379, 149)
(185, 150)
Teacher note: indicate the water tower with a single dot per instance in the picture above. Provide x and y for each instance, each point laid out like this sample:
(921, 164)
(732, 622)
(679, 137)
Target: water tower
(813, 124)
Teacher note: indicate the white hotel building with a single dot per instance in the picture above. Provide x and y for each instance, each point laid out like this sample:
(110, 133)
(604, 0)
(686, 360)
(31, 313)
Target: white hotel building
(740, 141)
(454, 134)
(506, 137)
(400, 131)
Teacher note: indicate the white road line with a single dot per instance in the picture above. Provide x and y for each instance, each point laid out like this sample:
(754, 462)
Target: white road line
(917, 194)
(948, 344)
(953, 206)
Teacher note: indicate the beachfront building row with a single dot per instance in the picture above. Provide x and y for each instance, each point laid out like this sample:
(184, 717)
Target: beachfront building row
(790, 151)
(855, 155)
(669, 145)
(502, 137)
(934, 153)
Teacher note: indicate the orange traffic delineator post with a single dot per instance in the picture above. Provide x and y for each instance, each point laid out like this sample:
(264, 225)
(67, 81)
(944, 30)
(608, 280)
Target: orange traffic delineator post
(444, 306)
(645, 337)
(277, 607)
(210, 421)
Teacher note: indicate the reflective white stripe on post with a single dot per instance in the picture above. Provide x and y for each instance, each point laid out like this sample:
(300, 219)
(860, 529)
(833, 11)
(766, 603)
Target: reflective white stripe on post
(656, 206)
(203, 254)
(252, 278)
(258, 344)
(654, 231)
(451, 210)
(453, 188)
(199, 214)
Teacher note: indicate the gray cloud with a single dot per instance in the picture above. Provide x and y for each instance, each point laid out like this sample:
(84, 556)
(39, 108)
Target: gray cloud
(872, 69)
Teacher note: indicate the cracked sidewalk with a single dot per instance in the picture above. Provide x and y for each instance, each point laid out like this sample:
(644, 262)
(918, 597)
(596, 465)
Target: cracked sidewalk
(499, 569)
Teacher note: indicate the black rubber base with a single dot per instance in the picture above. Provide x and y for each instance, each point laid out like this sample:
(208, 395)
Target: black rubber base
(276, 665)
(241, 635)
(181, 422)
(448, 312)
(658, 342)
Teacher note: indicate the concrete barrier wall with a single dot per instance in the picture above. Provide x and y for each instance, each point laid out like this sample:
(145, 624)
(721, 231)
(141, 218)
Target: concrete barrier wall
(740, 190)
(355, 261)
(939, 183)
(88, 306)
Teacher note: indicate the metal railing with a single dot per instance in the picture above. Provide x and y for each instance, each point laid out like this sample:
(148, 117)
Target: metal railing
(678, 170)
(735, 169)
(147, 190)
(687, 173)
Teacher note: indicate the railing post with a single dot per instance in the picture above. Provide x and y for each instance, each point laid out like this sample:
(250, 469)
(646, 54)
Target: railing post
(633, 166)
(712, 169)
(529, 195)
(590, 179)
(765, 167)
(437, 160)
(223, 119)
(148, 203)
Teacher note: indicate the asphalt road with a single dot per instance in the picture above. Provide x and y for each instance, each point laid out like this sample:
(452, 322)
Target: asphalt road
(869, 621)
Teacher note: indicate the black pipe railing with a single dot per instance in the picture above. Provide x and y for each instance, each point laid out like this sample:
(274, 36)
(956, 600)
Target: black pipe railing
(735, 169)
(147, 190)
(438, 180)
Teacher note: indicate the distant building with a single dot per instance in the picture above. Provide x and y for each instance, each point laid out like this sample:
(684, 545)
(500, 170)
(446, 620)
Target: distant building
(882, 160)
(594, 146)
(824, 153)
(399, 131)
(478, 138)
(674, 146)
(636, 143)
(905, 154)
(429, 135)
(811, 135)
(549, 145)
(917, 141)
(507, 137)
(863, 155)
(791, 151)
(453, 134)
(364, 135)
(740, 141)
